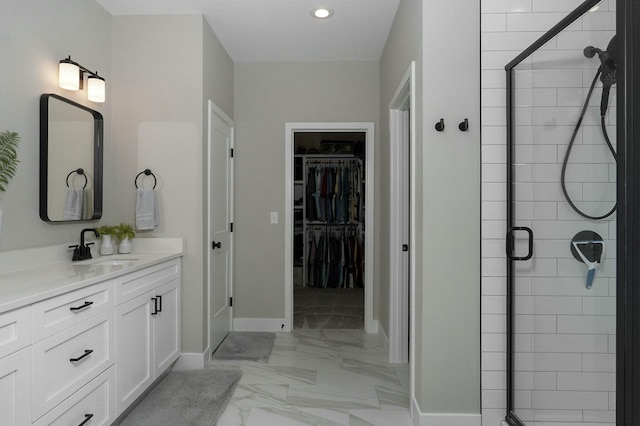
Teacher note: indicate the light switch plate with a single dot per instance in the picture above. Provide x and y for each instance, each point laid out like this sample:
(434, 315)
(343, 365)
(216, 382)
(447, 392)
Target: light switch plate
(274, 218)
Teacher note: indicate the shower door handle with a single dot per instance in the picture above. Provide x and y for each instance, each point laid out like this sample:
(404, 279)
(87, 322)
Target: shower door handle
(511, 243)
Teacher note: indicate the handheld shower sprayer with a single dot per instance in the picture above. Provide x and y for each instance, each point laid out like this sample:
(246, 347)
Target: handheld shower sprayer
(607, 73)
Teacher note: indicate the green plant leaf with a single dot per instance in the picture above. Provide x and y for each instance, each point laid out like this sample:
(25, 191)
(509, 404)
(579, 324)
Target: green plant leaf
(8, 157)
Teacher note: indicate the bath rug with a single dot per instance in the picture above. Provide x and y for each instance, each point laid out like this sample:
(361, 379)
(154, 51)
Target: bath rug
(245, 346)
(186, 398)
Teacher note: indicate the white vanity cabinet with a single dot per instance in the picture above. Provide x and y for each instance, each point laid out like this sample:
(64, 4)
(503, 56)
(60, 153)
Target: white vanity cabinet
(82, 356)
(147, 329)
(15, 367)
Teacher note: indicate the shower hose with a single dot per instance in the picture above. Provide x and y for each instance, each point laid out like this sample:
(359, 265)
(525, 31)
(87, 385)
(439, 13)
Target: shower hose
(568, 153)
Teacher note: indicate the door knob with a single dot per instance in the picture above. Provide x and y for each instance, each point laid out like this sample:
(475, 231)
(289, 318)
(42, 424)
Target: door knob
(215, 245)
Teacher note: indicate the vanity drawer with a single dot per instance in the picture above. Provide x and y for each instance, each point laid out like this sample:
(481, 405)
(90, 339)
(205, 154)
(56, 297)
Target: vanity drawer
(61, 312)
(140, 282)
(15, 330)
(63, 363)
(94, 402)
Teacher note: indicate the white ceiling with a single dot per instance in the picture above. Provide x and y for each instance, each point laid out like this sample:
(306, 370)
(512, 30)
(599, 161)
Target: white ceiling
(283, 30)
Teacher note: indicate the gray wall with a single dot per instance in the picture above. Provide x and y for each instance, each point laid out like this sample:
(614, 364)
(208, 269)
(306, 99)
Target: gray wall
(267, 95)
(449, 307)
(34, 37)
(160, 123)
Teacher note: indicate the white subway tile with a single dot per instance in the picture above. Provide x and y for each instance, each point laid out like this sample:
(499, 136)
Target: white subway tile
(581, 173)
(576, 96)
(490, 22)
(601, 417)
(544, 324)
(494, 173)
(505, 6)
(600, 21)
(612, 400)
(494, 135)
(492, 191)
(494, 398)
(523, 76)
(492, 416)
(522, 401)
(493, 98)
(556, 416)
(494, 323)
(565, 230)
(493, 248)
(494, 210)
(522, 115)
(589, 154)
(494, 154)
(493, 229)
(570, 343)
(556, 362)
(493, 116)
(545, 97)
(522, 342)
(493, 361)
(612, 343)
(514, 41)
(561, 60)
(532, 21)
(587, 381)
(521, 172)
(557, 305)
(599, 305)
(587, 324)
(543, 210)
(556, 78)
(495, 380)
(599, 191)
(569, 400)
(493, 286)
(537, 268)
(574, 268)
(523, 362)
(492, 78)
(494, 305)
(604, 363)
(555, 5)
(547, 135)
(553, 116)
(550, 249)
(522, 286)
(523, 210)
(593, 208)
(493, 267)
(494, 342)
(568, 286)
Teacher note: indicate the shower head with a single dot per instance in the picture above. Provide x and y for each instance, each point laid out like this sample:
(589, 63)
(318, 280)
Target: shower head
(608, 69)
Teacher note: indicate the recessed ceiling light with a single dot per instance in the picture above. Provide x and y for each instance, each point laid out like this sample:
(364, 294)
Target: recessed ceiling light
(322, 13)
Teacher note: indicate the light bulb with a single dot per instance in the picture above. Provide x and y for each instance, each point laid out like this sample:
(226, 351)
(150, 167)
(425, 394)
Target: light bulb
(69, 76)
(95, 89)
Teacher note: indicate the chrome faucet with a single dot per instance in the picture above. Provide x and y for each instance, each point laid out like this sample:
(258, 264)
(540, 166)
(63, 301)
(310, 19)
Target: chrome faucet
(83, 251)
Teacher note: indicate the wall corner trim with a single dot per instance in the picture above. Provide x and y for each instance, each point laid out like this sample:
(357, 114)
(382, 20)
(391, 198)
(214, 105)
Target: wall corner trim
(442, 419)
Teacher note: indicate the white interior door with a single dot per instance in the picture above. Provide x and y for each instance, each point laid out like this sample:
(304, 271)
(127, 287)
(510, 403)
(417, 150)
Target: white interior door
(220, 218)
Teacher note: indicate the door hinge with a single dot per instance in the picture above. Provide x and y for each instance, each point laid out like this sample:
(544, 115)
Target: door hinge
(230, 301)
(231, 152)
(231, 227)
(405, 247)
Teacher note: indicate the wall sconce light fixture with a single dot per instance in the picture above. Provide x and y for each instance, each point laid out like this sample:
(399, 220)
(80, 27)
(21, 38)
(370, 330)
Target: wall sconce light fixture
(71, 77)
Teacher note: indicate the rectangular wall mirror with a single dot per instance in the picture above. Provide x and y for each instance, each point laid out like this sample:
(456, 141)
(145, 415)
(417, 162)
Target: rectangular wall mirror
(71, 137)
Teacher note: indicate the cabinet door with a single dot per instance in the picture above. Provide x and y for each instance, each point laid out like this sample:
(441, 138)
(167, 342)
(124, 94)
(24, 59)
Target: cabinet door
(166, 326)
(15, 389)
(134, 368)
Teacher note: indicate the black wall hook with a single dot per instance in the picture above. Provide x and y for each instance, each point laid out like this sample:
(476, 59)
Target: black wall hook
(440, 125)
(464, 125)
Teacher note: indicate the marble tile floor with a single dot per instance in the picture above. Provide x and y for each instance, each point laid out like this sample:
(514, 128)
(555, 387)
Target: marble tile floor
(320, 378)
(328, 308)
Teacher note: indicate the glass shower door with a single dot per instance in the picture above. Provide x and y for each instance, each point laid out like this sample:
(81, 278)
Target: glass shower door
(561, 237)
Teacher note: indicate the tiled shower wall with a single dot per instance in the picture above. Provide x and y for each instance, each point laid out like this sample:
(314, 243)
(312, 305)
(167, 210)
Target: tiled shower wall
(570, 380)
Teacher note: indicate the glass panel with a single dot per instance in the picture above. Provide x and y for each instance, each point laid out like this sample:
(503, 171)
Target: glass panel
(565, 303)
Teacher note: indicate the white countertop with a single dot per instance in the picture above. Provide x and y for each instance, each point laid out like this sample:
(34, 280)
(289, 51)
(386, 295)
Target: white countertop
(44, 273)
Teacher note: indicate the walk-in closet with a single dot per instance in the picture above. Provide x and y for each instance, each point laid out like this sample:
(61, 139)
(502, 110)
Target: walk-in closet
(329, 230)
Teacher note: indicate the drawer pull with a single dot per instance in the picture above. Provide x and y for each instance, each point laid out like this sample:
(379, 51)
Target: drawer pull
(155, 306)
(160, 303)
(77, 308)
(86, 353)
(87, 417)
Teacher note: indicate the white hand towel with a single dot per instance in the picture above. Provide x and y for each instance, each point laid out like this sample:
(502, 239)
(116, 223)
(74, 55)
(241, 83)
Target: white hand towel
(147, 215)
(73, 203)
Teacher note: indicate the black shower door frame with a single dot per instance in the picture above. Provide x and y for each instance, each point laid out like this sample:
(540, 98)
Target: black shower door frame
(628, 214)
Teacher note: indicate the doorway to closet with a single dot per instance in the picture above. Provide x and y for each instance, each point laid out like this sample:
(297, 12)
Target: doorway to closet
(329, 223)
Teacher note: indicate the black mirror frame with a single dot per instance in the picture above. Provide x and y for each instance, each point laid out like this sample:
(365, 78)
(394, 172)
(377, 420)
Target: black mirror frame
(98, 136)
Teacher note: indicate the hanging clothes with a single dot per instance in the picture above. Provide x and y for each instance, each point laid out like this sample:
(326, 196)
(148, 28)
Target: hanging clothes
(335, 257)
(333, 191)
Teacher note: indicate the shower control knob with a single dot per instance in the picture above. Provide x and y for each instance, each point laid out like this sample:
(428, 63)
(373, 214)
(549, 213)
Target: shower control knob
(215, 245)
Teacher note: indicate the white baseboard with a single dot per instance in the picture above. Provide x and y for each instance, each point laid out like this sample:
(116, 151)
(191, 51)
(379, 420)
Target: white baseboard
(258, 324)
(442, 419)
(191, 361)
